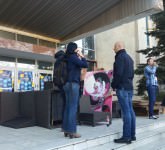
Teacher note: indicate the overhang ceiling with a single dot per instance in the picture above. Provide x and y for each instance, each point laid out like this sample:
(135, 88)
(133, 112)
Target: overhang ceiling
(70, 20)
(52, 18)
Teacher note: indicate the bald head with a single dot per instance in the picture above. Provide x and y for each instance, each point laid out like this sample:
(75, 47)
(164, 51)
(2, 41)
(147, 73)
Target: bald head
(119, 46)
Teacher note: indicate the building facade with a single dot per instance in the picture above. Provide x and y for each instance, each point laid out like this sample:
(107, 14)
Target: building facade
(134, 37)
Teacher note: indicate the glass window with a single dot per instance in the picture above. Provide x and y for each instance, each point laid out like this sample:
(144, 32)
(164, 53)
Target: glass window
(25, 66)
(7, 35)
(79, 43)
(45, 65)
(26, 39)
(91, 65)
(89, 54)
(26, 63)
(5, 64)
(8, 59)
(61, 46)
(88, 43)
(47, 43)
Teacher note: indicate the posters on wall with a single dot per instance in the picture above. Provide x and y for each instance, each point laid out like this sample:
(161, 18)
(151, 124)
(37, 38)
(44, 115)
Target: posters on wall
(44, 78)
(6, 81)
(97, 85)
(25, 81)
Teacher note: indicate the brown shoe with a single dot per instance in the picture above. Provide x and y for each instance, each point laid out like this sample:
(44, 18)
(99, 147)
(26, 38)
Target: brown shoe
(74, 135)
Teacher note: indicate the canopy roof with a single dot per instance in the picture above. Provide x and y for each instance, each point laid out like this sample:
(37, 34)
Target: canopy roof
(67, 19)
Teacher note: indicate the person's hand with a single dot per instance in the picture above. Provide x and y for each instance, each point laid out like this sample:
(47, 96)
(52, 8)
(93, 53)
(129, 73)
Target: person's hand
(79, 52)
(155, 64)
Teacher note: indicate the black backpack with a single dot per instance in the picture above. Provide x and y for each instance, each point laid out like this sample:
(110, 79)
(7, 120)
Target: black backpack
(60, 72)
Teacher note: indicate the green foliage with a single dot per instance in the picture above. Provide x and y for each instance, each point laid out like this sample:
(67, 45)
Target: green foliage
(141, 86)
(158, 51)
(160, 96)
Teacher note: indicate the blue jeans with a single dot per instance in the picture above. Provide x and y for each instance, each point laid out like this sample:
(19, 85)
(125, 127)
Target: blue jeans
(152, 92)
(70, 111)
(128, 114)
(62, 94)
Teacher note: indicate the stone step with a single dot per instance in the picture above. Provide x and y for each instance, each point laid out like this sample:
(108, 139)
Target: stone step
(152, 143)
(142, 139)
(106, 141)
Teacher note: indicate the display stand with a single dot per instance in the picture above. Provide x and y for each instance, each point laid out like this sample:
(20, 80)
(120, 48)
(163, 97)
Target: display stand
(24, 109)
(88, 116)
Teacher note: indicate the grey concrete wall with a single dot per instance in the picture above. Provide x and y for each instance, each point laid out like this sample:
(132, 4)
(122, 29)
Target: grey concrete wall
(104, 43)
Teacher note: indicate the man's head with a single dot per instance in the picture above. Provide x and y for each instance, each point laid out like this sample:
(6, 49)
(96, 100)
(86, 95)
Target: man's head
(150, 61)
(118, 46)
(59, 54)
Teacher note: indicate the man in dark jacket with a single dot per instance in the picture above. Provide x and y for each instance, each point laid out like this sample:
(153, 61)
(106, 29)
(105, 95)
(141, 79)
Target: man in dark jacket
(59, 56)
(123, 84)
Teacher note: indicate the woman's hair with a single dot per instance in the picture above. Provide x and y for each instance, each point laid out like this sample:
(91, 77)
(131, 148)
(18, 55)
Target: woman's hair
(71, 48)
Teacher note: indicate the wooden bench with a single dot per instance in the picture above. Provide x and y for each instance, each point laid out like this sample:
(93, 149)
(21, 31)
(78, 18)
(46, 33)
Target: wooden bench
(141, 107)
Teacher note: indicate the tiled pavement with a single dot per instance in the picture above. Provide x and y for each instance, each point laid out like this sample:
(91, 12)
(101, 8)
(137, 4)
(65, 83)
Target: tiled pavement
(37, 138)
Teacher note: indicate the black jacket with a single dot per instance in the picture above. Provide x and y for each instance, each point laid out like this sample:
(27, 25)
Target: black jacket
(74, 67)
(60, 55)
(123, 71)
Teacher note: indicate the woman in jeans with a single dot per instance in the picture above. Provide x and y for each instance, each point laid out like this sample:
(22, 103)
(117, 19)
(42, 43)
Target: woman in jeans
(152, 85)
(75, 61)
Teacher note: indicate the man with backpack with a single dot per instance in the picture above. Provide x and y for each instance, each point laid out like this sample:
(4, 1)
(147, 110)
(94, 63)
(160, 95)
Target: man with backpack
(60, 75)
(60, 69)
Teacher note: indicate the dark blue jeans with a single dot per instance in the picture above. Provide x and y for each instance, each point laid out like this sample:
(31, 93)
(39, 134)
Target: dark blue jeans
(70, 111)
(128, 114)
(62, 94)
(152, 92)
